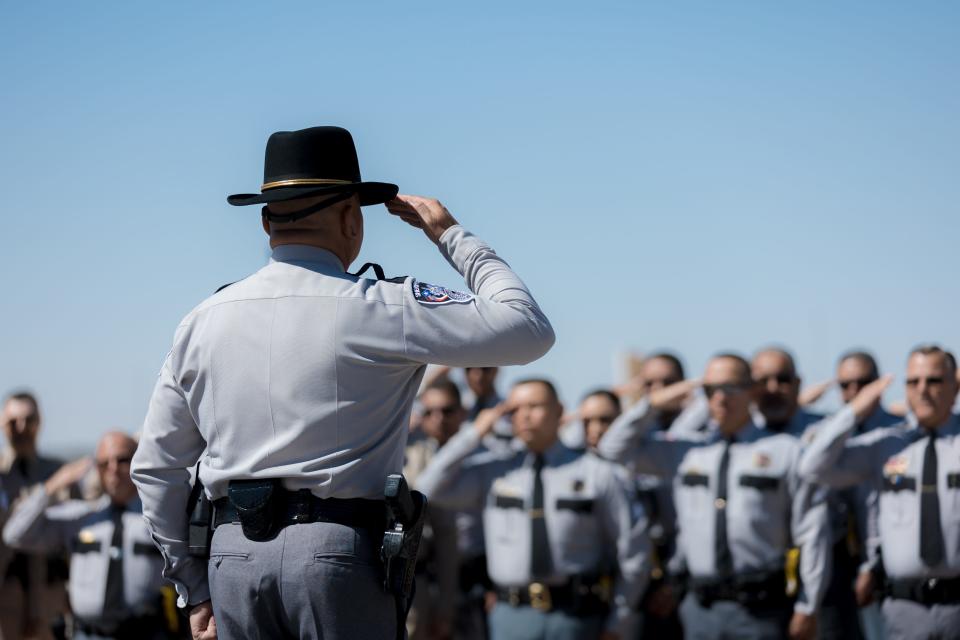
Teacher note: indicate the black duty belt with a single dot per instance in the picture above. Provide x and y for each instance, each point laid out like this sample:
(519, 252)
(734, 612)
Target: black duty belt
(926, 592)
(301, 507)
(128, 629)
(580, 596)
(766, 590)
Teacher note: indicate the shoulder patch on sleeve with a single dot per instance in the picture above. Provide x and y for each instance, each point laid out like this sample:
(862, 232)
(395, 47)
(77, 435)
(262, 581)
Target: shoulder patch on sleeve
(434, 294)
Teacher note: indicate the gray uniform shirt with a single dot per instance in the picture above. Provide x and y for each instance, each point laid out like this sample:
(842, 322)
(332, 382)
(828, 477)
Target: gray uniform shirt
(768, 508)
(306, 373)
(85, 530)
(591, 526)
(892, 458)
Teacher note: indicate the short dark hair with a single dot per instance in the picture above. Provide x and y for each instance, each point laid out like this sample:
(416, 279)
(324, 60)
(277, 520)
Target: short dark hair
(863, 356)
(447, 387)
(780, 351)
(551, 388)
(672, 358)
(739, 359)
(934, 349)
(603, 393)
(23, 396)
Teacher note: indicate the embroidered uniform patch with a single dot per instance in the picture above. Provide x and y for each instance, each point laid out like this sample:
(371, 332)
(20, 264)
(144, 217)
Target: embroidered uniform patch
(434, 294)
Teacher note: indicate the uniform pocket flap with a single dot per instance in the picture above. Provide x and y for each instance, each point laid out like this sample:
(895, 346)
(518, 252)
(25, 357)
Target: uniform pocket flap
(86, 546)
(579, 505)
(899, 483)
(509, 502)
(763, 483)
(694, 480)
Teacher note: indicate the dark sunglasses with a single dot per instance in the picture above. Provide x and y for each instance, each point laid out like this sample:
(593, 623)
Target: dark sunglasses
(932, 380)
(780, 378)
(121, 462)
(446, 411)
(666, 382)
(859, 382)
(728, 389)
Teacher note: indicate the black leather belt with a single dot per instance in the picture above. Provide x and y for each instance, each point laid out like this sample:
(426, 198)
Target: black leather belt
(579, 596)
(301, 507)
(750, 590)
(926, 592)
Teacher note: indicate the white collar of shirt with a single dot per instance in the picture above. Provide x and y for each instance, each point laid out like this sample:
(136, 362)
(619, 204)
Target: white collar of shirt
(295, 253)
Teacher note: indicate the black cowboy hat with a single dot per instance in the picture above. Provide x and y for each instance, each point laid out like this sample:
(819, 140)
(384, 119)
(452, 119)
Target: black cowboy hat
(313, 162)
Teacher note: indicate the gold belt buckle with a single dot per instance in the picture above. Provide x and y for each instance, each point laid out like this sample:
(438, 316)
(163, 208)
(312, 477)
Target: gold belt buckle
(540, 597)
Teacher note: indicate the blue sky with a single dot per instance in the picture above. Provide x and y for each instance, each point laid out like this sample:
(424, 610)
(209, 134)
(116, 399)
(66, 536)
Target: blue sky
(699, 176)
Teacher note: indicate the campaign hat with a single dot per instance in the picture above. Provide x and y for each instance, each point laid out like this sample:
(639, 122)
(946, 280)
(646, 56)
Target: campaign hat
(313, 162)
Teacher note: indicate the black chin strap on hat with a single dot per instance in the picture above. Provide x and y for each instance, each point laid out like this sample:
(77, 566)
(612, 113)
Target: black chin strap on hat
(303, 213)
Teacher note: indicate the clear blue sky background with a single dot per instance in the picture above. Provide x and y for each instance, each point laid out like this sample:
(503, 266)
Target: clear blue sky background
(692, 175)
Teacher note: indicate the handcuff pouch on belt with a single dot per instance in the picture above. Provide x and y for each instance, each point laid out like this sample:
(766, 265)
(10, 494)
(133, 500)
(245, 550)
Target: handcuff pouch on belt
(257, 503)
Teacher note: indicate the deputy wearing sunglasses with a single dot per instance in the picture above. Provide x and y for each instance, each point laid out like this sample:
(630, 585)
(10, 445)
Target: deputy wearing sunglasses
(115, 569)
(740, 504)
(918, 472)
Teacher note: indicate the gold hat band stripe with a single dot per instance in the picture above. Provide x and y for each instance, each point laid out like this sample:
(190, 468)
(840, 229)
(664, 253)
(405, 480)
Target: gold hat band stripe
(299, 182)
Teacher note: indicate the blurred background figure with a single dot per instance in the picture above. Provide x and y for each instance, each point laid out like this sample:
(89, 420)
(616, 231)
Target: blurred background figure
(434, 608)
(33, 597)
(856, 370)
(115, 568)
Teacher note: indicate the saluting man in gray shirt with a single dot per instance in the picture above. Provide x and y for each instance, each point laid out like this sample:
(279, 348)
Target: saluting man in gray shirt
(301, 377)
(115, 582)
(918, 472)
(740, 505)
(567, 553)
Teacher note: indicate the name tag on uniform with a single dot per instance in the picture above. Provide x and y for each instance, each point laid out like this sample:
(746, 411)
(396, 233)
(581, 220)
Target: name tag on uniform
(762, 483)
(579, 505)
(953, 480)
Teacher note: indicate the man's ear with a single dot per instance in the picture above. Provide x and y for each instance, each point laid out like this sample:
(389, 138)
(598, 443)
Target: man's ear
(266, 225)
(351, 224)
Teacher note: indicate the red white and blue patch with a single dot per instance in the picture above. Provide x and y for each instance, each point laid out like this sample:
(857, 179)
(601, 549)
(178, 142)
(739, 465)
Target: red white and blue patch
(434, 294)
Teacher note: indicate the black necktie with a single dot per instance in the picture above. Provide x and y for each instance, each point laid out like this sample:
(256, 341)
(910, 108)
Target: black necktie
(931, 533)
(113, 600)
(721, 544)
(541, 563)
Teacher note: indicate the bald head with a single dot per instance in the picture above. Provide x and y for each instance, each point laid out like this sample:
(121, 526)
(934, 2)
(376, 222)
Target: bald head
(114, 453)
(775, 374)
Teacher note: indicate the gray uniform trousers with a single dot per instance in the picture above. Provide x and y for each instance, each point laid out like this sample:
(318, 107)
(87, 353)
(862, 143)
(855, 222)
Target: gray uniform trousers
(527, 623)
(318, 580)
(908, 620)
(727, 620)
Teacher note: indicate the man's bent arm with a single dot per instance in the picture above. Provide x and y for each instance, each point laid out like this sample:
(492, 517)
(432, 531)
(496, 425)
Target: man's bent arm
(169, 446)
(499, 324)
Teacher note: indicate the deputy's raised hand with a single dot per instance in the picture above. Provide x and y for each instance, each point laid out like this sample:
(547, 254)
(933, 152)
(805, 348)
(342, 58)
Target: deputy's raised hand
(664, 397)
(489, 417)
(423, 213)
(864, 402)
(68, 474)
(810, 395)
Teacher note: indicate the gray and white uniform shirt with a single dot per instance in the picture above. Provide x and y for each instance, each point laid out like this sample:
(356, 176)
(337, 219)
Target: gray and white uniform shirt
(892, 458)
(768, 508)
(85, 530)
(306, 373)
(591, 525)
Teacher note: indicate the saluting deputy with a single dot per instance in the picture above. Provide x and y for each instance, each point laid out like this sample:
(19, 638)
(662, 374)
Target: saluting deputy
(296, 384)
(115, 583)
(740, 506)
(566, 552)
(918, 472)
